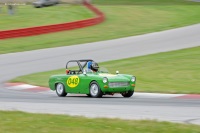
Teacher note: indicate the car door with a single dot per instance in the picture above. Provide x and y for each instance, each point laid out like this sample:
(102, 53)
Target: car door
(84, 83)
(77, 83)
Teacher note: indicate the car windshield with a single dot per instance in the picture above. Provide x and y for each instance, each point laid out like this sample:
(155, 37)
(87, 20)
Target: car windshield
(103, 70)
(100, 70)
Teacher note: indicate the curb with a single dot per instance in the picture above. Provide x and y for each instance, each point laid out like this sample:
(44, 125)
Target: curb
(38, 89)
(25, 87)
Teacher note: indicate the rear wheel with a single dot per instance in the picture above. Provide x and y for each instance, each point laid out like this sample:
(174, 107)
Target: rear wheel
(60, 90)
(95, 90)
(127, 94)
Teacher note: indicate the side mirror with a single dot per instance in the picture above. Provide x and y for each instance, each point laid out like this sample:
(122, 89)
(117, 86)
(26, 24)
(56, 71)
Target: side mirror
(117, 72)
(84, 72)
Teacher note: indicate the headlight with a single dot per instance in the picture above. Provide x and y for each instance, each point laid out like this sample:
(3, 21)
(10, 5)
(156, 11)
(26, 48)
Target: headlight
(105, 80)
(133, 79)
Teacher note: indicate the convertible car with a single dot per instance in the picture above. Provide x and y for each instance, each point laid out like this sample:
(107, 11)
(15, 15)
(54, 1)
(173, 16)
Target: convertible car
(86, 77)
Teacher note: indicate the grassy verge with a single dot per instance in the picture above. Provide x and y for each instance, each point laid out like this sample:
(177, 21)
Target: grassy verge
(25, 123)
(28, 16)
(144, 2)
(169, 72)
(121, 21)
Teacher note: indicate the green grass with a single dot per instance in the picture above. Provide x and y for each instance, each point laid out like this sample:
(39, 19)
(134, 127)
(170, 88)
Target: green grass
(144, 2)
(121, 21)
(28, 16)
(169, 72)
(19, 122)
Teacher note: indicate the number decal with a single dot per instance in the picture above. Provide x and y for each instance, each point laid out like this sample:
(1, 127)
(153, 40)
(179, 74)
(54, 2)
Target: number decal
(73, 81)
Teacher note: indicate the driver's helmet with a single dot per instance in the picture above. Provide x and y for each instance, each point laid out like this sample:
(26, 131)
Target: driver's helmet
(94, 66)
(89, 64)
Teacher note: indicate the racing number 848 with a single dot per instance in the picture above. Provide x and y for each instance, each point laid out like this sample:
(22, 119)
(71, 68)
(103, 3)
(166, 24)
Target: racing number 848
(73, 81)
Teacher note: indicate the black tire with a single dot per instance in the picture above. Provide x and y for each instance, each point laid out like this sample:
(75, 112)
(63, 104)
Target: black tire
(95, 90)
(60, 90)
(88, 95)
(127, 94)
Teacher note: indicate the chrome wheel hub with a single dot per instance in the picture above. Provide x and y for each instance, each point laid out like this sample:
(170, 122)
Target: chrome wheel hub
(59, 89)
(94, 89)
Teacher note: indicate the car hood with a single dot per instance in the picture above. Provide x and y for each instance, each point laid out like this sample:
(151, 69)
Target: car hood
(115, 77)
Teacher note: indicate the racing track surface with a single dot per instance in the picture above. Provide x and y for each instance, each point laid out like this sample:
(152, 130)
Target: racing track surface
(169, 109)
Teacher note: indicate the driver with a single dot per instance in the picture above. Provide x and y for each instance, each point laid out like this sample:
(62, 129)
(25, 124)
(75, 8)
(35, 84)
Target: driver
(93, 66)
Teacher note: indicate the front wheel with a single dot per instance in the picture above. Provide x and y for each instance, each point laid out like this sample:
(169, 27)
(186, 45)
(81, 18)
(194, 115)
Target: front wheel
(88, 95)
(60, 90)
(127, 94)
(95, 90)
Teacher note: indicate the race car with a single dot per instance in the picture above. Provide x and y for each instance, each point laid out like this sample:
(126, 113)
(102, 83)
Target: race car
(86, 77)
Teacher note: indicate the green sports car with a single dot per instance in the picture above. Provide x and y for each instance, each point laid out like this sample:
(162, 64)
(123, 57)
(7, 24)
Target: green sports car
(85, 77)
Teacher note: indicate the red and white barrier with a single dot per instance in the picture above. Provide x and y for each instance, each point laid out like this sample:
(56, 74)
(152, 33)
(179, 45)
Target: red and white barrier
(55, 27)
(37, 89)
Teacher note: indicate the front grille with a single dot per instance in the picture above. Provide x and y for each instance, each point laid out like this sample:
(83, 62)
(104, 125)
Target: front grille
(118, 84)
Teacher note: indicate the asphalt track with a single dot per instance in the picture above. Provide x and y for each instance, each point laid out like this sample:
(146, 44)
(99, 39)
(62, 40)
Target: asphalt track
(164, 109)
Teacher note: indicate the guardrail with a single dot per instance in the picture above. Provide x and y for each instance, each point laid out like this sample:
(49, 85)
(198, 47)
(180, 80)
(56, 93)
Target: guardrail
(55, 27)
